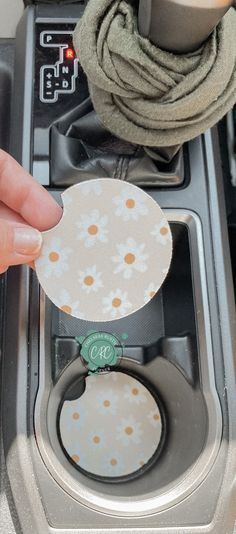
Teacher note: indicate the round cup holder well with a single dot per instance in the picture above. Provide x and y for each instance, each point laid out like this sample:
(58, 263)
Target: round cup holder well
(170, 452)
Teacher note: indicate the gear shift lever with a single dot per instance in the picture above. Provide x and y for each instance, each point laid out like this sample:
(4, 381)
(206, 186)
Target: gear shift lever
(180, 26)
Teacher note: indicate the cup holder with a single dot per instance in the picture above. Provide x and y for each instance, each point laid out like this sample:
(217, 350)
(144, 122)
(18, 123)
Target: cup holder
(92, 443)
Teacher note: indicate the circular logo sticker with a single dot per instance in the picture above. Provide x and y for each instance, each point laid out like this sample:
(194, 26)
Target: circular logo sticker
(100, 350)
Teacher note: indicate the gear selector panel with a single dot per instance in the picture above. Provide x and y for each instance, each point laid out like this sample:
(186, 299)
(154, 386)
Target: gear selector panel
(59, 78)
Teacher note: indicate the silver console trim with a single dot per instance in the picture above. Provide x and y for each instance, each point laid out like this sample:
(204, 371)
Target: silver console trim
(153, 502)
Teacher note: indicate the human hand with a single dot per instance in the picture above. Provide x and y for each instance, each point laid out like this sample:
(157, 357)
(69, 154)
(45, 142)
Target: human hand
(26, 209)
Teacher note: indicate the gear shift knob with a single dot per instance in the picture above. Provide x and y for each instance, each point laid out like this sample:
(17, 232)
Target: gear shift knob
(180, 26)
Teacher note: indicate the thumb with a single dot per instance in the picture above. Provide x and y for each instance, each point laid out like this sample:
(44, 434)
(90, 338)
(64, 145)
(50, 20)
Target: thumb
(18, 243)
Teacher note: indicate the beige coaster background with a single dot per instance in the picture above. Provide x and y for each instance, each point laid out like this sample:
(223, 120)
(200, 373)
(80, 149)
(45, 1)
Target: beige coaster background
(109, 254)
(114, 428)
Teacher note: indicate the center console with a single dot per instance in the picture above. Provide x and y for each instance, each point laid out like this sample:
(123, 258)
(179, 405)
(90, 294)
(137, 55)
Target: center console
(181, 345)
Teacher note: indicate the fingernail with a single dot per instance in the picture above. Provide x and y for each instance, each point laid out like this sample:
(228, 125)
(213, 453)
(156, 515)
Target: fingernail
(27, 240)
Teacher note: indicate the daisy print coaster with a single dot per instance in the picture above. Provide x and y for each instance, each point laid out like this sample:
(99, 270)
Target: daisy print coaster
(120, 435)
(109, 254)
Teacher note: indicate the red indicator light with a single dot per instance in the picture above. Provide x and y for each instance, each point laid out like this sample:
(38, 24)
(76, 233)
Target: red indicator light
(70, 53)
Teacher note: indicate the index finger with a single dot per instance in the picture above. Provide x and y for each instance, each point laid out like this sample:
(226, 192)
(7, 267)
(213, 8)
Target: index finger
(20, 192)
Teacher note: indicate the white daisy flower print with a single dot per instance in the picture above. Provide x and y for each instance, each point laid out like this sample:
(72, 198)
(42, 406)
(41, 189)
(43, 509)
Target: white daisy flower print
(73, 418)
(113, 464)
(97, 439)
(150, 292)
(131, 258)
(107, 402)
(116, 303)
(90, 381)
(154, 418)
(134, 394)
(130, 204)
(94, 186)
(66, 304)
(129, 431)
(140, 464)
(78, 456)
(162, 232)
(111, 376)
(92, 228)
(90, 279)
(54, 258)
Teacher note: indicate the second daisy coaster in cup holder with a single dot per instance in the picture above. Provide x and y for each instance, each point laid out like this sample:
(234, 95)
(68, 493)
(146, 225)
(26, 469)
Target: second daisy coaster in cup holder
(113, 432)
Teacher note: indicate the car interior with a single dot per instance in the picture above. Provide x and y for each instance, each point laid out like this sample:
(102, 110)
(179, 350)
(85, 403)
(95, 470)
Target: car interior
(63, 121)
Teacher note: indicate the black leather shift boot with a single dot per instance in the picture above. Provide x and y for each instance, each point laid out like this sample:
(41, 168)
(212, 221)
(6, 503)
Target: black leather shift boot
(82, 148)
